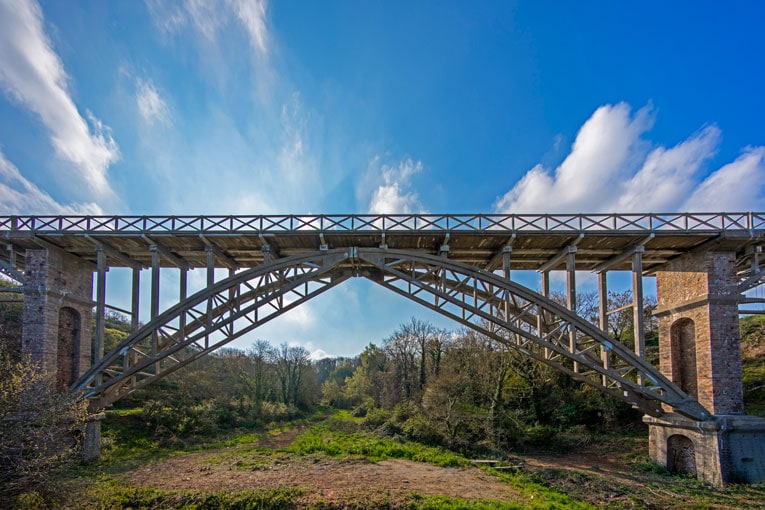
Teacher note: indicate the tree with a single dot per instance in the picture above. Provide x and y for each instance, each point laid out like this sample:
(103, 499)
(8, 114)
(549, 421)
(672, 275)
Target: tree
(292, 364)
(256, 372)
(368, 380)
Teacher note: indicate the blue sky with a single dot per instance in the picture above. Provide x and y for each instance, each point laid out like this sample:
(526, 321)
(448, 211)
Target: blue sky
(234, 106)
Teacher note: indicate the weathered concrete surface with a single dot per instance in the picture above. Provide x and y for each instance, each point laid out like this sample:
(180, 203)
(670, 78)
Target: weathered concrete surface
(725, 449)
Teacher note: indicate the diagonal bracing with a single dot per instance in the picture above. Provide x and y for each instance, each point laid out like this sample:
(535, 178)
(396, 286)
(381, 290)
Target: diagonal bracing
(484, 301)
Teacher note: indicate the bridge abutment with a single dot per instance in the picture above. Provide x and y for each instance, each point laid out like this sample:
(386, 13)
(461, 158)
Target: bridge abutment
(699, 351)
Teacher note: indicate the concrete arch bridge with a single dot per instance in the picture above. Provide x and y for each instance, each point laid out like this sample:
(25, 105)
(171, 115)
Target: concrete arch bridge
(457, 265)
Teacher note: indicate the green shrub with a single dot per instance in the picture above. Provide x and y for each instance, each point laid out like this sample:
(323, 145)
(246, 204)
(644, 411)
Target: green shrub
(375, 418)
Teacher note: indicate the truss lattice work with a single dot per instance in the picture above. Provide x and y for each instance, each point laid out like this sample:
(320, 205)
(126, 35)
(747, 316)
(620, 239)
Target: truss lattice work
(495, 306)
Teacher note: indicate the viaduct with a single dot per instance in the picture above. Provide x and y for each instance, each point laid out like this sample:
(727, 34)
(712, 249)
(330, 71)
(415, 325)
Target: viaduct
(457, 265)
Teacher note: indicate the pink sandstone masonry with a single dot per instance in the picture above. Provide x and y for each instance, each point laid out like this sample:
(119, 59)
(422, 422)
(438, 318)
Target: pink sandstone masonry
(699, 351)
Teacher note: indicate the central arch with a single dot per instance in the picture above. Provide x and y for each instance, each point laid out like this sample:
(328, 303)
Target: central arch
(497, 307)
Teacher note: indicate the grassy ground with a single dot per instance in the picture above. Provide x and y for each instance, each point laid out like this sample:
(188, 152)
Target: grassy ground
(609, 472)
(337, 445)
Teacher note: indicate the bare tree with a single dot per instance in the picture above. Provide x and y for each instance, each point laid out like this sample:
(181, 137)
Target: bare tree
(292, 364)
(402, 349)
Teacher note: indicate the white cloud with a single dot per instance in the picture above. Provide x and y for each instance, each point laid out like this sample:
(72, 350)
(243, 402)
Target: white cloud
(19, 196)
(612, 168)
(668, 175)
(392, 195)
(210, 17)
(319, 354)
(152, 108)
(33, 75)
(737, 186)
(252, 14)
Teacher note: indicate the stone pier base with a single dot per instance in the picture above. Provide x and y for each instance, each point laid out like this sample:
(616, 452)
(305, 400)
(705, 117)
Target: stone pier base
(725, 449)
(91, 441)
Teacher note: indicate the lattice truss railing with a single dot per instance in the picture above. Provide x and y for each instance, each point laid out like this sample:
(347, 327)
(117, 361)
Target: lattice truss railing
(631, 222)
(208, 320)
(530, 323)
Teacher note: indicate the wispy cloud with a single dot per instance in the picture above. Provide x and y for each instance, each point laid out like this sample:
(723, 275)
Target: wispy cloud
(252, 15)
(260, 151)
(33, 75)
(392, 192)
(19, 196)
(611, 167)
(152, 108)
(210, 17)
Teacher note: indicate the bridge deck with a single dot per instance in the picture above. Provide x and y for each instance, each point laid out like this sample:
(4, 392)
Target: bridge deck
(476, 239)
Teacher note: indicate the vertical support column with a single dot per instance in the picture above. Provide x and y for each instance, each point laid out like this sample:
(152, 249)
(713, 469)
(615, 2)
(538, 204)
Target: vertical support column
(154, 303)
(637, 304)
(603, 319)
(571, 296)
(101, 269)
(210, 282)
(182, 294)
(135, 299)
(541, 316)
(266, 253)
(11, 255)
(506, 256)
(506, 251)
(232, 294)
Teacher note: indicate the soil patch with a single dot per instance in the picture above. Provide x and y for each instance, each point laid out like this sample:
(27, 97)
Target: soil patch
(327, 479)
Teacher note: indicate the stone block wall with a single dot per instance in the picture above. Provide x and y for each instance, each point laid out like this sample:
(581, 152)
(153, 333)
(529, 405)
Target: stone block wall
(697, 295)
(722, 450)
(57, 281)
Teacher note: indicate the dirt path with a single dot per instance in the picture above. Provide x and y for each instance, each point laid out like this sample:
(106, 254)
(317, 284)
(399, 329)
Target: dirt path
(324, 478)
(332, 480)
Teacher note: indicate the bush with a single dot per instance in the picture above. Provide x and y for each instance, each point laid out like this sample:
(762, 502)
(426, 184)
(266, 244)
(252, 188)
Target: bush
(40, 430)
(420, 428)
(376, 418)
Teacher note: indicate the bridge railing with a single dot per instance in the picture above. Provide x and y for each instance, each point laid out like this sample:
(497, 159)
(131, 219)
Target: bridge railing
(479, 223)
